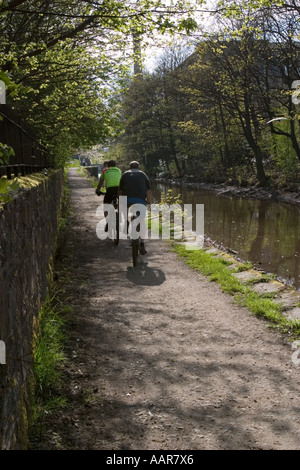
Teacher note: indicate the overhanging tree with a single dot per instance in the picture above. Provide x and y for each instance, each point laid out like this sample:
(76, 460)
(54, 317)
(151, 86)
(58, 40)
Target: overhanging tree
(40, 39)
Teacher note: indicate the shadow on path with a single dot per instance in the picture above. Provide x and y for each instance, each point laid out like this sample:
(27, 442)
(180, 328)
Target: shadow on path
(145, 275)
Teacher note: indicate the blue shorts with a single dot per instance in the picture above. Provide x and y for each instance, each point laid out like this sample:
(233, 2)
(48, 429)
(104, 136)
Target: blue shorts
(135, 200)
(131, 201)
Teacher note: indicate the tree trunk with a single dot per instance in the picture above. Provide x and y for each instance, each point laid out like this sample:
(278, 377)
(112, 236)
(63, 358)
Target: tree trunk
(226, 159)
(172, 144)
(252, 141)
(294, 139)
(258, 154)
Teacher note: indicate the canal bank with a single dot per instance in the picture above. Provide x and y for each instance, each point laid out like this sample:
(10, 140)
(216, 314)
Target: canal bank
(248, 192)
(259, 292)
(262, 229)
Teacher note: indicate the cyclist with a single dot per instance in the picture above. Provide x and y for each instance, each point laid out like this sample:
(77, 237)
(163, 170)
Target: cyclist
(111, 176)
(135, 185)
(105, 166)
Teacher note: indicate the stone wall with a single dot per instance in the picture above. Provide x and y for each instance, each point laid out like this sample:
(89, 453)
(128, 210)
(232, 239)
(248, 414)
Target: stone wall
(28, 231)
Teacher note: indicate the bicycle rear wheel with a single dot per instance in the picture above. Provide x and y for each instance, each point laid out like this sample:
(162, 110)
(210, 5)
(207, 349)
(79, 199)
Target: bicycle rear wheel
(135, 251)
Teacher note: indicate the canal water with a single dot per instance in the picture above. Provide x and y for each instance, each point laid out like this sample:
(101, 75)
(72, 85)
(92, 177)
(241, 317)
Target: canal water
(266, 233)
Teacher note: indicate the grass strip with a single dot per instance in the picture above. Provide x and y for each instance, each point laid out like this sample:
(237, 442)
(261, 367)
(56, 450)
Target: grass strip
(48, 352)
(216, 269)
(50, 337)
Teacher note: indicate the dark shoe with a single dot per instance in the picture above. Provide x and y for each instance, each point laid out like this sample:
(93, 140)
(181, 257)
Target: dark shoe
(143, 250)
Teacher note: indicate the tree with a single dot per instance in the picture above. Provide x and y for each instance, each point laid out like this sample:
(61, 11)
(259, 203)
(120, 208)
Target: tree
(214, 107)
(256, 60)
(152, 109)
(44, 43)
(281, 55)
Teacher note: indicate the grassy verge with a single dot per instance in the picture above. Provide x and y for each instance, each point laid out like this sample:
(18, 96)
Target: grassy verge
(216, 269)
(49, 356)
(50, 334)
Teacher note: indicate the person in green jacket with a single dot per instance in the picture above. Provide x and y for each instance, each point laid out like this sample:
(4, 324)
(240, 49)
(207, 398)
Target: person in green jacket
(110, 176)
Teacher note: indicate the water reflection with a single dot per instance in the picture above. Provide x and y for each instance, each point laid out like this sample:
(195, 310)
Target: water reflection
(263, 232)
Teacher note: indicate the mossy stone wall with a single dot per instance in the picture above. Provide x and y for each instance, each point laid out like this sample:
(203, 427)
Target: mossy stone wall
(28, 233)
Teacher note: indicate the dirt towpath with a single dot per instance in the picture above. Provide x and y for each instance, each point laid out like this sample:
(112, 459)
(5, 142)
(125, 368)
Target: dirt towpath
(160, 359)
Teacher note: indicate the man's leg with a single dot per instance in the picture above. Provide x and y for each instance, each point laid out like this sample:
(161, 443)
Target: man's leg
(141, 227)
(105, 201)
(143, 250)
(143, 213)
(108, 199)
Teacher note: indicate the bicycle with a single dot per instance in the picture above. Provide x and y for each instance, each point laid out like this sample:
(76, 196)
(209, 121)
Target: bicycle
(135, 242)
(115, 230)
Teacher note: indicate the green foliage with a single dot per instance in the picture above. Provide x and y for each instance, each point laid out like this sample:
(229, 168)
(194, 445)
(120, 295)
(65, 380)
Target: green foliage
(49, 357)
(65, 65)
(207, 117)
(50, 335)
(152, 109)
(169, 198)
(7, 187)
(48, 353)
(213, 267)
(7, 190)
(5, 153)
(11, 87)
(285, 156)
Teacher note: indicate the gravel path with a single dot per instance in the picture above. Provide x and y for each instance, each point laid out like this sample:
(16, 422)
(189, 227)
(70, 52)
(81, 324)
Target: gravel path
(160, 358)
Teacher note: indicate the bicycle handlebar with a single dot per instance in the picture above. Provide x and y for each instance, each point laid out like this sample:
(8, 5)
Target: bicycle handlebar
(101, 193)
